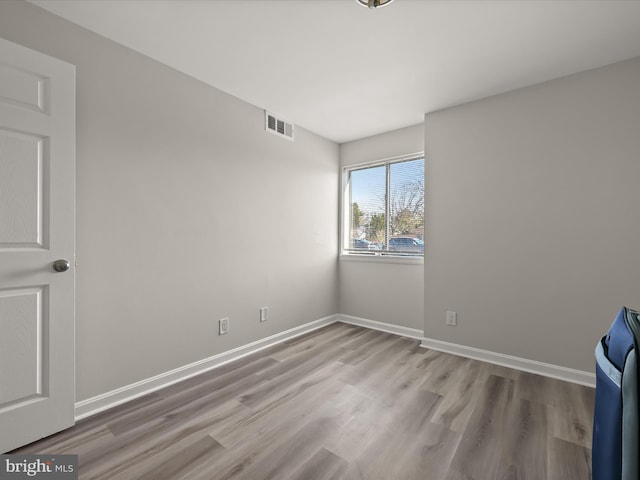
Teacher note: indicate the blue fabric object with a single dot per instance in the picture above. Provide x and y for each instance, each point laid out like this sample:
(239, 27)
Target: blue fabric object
(609, 432)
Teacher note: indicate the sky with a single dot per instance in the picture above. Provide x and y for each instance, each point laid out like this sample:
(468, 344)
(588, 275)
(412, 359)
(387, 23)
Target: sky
(368, 184)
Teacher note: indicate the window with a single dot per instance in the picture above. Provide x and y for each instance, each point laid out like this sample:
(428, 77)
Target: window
(384, 208)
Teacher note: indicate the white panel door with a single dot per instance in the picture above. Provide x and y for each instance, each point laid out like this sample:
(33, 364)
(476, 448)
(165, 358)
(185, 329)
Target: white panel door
(37, 228)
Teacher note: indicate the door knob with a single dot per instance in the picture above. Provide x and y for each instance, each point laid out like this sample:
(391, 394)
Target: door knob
(61, 265)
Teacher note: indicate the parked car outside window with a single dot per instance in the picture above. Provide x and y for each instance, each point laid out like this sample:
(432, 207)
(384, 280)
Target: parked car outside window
(406, 244)
(359, 244)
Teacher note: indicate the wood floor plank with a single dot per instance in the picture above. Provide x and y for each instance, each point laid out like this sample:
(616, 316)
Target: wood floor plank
(181, 464)
(570, 405)
(375, 347)
(261, 428)
(481, 450)
(525, 452)
(317, 339)
(426, 453)
(444, 370)
(288, 456)
(568, 461)
(88, 427)
(227, 386)
(572, 413)
(383, 362)
(81, 443)
(290, 384)
(368, 420)
(141, 445)
(459, 401)
(342, 403)
(323, 465)
(431, 454)
(390, 453)
(277, 449)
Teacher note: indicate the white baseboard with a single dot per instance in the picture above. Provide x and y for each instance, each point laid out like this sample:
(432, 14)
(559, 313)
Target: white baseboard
(383, 327)
(524, 364)
(97, 404)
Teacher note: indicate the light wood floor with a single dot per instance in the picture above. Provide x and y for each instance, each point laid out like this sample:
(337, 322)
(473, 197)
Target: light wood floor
(342, 402)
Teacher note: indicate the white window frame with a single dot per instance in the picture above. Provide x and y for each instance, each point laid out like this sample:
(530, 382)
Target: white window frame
(345, 215)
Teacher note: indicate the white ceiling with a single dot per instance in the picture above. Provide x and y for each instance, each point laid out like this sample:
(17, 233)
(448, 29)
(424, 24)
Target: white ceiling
(346, 72)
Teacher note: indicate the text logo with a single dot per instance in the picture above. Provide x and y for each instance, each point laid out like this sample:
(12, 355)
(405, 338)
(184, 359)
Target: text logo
(52, 467)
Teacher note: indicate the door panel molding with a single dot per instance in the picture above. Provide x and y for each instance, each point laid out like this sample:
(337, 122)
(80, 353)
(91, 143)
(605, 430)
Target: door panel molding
(37, 227)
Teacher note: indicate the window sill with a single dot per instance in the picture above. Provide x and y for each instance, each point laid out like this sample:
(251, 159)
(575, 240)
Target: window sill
(354, 257)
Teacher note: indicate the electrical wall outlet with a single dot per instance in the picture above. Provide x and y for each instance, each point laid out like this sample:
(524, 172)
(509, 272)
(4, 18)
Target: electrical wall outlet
(452, 318)
(223, 326)
(264, 314)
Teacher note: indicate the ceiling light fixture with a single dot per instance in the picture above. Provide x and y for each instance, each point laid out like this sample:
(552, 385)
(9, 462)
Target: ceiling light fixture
(374, 3)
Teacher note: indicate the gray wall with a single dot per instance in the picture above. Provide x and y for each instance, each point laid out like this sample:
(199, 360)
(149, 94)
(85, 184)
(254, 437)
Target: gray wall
(187, 212)
(376, 290)
(533, 218)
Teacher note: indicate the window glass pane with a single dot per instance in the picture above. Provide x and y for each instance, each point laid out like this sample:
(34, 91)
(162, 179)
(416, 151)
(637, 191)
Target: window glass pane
(386, 209)
(406, 206)
(367, 223)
